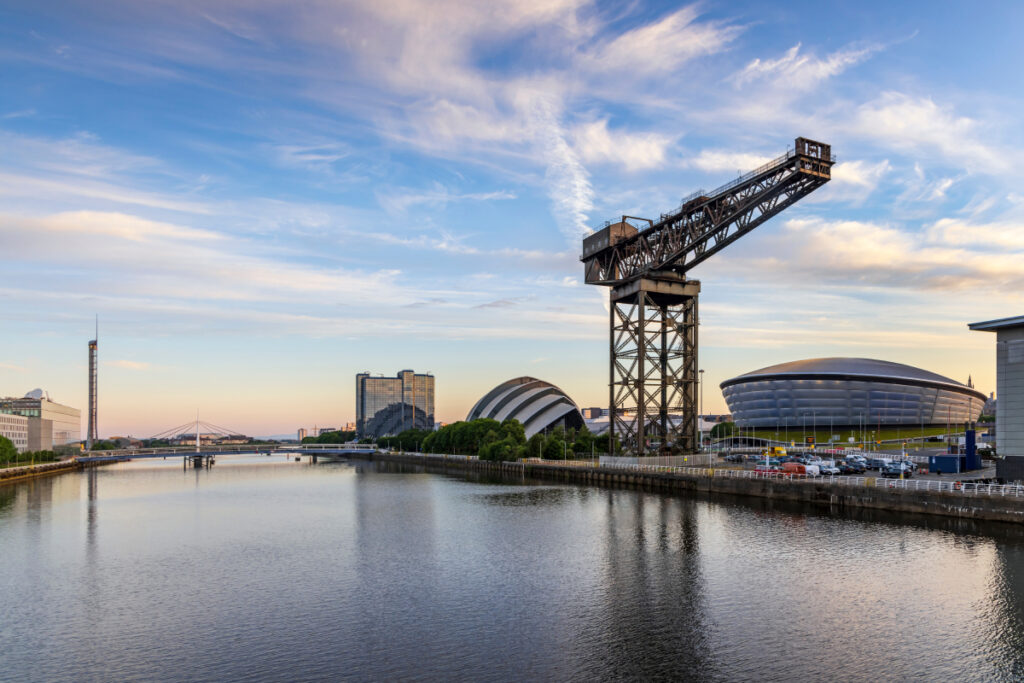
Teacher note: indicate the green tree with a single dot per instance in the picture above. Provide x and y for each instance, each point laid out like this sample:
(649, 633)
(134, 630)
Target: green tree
(8, 453)
(723, 429)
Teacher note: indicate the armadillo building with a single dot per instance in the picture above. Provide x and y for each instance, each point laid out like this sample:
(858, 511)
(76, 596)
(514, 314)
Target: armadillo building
(537, 404)
(848, 392)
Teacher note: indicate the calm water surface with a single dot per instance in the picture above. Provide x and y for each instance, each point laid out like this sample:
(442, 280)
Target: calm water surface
(263, 569)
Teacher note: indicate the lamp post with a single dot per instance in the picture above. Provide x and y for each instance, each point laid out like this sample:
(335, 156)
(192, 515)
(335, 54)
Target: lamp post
(700, 416)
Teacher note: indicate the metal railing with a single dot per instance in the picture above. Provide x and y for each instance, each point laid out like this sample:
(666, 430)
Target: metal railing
(956, 487)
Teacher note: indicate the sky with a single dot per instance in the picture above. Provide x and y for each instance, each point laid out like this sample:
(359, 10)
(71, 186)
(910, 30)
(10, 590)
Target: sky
(261, 199)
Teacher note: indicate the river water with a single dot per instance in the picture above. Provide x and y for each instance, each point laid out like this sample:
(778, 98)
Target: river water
(266, 569)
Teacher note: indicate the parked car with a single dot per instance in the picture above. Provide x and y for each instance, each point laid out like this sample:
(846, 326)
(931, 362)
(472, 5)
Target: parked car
(895, 470)
(734, 457)
(852, 467)
(766, 469)
(812, 470)
(878, 463)
(828, 468)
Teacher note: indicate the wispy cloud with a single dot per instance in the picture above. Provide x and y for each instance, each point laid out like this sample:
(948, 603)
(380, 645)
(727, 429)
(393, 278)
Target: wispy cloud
(398, 201)
(801, 71)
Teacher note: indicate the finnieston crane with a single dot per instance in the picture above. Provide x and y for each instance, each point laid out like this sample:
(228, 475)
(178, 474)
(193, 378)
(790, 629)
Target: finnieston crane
(653, 322)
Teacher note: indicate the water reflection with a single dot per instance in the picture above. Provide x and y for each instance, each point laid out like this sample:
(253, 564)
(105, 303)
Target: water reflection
(268, 570)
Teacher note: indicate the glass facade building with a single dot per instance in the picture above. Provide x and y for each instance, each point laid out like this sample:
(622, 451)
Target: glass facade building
(848, 392)
(390, 405)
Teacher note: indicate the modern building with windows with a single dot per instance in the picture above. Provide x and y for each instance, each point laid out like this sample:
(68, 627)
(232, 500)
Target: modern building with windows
(537, 404)
(15, 428)
(50, 424)
(844, 392)
(1010, 389)
(389, 405)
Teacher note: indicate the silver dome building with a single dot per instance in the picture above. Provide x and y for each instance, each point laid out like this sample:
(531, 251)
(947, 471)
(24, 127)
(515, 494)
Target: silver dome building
(848, 392)
(537, 404)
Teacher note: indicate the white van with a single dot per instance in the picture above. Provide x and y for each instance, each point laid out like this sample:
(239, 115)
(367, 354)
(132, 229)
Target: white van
(812, 470)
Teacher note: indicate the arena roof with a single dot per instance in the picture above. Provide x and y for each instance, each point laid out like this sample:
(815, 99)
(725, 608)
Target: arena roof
(535, 403)
(848, 368)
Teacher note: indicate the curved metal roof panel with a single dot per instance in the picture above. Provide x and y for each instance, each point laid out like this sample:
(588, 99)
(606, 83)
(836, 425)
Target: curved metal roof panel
(535, 403)
(848, 368)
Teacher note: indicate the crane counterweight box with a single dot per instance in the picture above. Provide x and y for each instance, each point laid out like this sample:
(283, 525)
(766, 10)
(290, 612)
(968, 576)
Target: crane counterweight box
(607, 237)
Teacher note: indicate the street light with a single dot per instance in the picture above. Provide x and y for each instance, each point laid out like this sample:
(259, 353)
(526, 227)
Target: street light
(700, 432)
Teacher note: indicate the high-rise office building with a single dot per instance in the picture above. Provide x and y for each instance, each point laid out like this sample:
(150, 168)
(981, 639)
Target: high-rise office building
(302, 434)
(390, 405)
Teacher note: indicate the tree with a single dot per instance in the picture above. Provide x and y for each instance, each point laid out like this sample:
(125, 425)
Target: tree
(7, 450)
(723, 429)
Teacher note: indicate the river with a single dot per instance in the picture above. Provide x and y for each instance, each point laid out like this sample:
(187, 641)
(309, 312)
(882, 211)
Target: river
(266, 569)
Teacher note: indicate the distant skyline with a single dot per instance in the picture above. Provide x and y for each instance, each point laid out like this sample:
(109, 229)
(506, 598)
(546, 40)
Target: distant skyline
(262, 200)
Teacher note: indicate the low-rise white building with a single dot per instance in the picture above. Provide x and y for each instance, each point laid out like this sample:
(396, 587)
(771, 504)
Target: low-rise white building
(15, 428)
(50, 424)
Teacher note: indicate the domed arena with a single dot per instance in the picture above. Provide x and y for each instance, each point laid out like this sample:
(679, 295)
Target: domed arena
(537, 404)
(848, 392)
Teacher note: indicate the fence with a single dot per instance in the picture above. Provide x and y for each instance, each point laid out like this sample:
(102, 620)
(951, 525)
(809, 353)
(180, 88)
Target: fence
(956, 487)
(693, 460)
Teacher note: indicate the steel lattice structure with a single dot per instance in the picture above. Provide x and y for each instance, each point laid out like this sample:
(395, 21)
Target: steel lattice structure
(653, 321)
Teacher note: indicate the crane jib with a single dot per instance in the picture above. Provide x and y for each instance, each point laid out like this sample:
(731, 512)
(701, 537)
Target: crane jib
(705, 222)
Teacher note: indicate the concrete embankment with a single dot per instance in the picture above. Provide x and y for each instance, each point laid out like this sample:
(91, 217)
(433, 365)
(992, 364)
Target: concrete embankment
(9, 474)
(823, 493)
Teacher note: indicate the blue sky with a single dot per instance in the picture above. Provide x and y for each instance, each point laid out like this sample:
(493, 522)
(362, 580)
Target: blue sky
(262, 199)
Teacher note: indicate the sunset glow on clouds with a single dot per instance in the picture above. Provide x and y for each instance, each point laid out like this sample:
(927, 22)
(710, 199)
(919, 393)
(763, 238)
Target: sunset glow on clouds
(262, 199)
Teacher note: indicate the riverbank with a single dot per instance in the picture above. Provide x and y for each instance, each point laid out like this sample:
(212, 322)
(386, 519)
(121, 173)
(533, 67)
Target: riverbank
(10, 474)
(973, 504)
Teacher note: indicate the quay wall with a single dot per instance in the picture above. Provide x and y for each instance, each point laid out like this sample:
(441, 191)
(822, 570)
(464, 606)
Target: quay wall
(10, 474)
(979, 507)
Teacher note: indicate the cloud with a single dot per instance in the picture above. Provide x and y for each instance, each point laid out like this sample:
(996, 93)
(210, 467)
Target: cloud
(568, 182)
(13, 368)
(997, 236)
(440, 196)
(716, 161)
(660, 47)
(854, 181)
(920, 126)
(635, 151)
(940, 258)
(177, 261)
(800, 72)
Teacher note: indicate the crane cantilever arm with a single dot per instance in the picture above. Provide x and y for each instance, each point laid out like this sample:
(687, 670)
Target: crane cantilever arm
(706, 223)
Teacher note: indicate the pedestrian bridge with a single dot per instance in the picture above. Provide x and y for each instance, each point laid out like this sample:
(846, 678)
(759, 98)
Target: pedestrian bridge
(312, 449)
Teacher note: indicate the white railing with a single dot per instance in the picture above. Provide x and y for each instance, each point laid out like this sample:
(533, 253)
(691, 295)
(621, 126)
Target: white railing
(966, 488)
(368, 447)
(956, 487)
